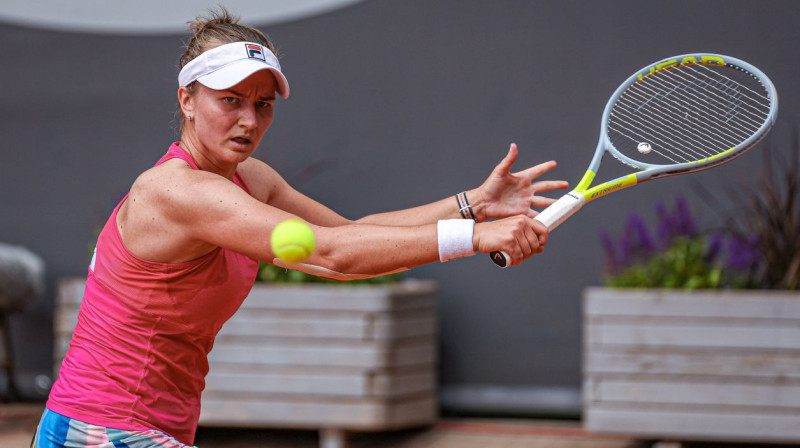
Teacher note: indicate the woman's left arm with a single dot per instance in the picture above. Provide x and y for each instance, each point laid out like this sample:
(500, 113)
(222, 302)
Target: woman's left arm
(501, 195)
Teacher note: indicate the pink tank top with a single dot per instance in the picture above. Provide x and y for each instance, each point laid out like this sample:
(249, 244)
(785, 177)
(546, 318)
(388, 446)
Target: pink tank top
(138, 356)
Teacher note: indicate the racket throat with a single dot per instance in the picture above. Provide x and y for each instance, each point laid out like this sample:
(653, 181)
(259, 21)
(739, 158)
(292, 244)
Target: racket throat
(561, 210)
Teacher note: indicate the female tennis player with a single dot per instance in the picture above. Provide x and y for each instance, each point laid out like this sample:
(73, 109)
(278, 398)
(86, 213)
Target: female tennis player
(181, 251)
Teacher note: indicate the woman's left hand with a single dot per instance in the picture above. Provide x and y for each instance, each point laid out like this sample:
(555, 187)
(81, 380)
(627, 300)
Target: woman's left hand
(506, 194)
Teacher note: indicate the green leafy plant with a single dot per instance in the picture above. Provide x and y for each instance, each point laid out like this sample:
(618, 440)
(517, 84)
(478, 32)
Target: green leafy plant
(269, 273)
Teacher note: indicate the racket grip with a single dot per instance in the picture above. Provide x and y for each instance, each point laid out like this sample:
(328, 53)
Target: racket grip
(551, 217)
(559, 211)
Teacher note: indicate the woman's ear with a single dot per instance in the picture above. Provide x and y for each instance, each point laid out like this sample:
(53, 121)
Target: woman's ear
(186, 101)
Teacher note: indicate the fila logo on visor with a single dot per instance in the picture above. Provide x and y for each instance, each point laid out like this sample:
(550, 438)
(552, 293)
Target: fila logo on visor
(255, 52)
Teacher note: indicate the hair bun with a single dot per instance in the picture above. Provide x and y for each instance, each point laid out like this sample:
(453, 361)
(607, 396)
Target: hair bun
(220, 15)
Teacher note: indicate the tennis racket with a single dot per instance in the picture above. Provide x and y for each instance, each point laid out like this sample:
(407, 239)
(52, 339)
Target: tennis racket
(680, 115)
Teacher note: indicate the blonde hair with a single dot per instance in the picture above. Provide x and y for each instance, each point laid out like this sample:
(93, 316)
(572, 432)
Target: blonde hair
(217, 27)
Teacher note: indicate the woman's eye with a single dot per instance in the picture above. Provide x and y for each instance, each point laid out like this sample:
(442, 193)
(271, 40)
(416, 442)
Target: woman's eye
(264, 104)
(229, 99)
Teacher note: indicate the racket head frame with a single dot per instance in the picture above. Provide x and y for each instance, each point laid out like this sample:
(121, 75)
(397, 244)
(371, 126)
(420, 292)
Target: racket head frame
(653, 171)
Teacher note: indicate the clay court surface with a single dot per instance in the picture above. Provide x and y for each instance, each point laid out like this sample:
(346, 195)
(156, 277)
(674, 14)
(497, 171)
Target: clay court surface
(18, 421)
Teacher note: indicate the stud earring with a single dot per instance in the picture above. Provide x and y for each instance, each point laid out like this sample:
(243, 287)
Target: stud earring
(189, 117)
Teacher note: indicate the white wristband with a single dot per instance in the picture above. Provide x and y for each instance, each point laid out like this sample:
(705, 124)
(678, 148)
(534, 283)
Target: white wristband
(455, 238)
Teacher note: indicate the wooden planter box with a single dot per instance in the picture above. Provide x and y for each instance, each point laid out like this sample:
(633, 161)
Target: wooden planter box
(716, 365)
(328, 357)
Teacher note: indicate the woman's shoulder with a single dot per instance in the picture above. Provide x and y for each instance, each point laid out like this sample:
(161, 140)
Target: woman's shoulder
(261, 179)
(170, 170)
(255, 168)
(176, 177)
(169, 180)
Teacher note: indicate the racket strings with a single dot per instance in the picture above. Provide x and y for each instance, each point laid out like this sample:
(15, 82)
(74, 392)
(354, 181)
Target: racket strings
(685, 140)
(665, 152)
(756, 94)
(659, 127)
(695, 136)
(689, 112)
(708, 112)
(671, 139)
(698, 119)
(715, 106)
(733, 92)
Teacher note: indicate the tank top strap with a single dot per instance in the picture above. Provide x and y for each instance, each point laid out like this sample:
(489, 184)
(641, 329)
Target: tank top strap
(176, 152)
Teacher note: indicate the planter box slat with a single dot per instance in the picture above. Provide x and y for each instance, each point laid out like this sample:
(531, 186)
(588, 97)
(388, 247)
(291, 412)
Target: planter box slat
(321, 412)
(770, 304)
(713, 425)
(409, 295)
(358, 326)
(690, 392)
(758, 364)
(361, 384)
(293, 352)
(699, 335)
(289, 326)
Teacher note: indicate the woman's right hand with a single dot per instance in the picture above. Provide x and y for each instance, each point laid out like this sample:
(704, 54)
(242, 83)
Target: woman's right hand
(519, 236)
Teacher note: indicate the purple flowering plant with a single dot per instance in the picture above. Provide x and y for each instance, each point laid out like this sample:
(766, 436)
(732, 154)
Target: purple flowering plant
(672, 254)
(757, 247)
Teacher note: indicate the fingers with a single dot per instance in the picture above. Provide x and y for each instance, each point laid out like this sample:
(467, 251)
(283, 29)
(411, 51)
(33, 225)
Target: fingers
(508, 161)
(550, 185)
(536, 236)
(541, 201)
(520, 237)
(536, 171)
(530, 242)
(542, 233)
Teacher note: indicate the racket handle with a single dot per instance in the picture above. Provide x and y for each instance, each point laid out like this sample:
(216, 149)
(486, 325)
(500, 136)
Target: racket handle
(551, 217)
(559, 211)
(500, 258)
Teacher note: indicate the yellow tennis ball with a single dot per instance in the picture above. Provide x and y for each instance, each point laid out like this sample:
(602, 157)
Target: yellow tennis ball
(292, 241)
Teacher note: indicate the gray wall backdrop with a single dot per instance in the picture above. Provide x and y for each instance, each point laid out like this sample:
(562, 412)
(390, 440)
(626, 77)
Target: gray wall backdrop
(394, 103)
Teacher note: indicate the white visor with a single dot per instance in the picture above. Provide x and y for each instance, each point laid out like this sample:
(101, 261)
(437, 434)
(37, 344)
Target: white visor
(225, 66)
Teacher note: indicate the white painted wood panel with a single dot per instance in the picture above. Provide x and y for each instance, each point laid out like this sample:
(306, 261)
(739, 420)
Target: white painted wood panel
(753, 363)
(315, 413)
(679, 334)
(311, 324)
(696, 392)
(328, 382)
(312, 353)
(412, 294)
(716, 304)
(695, 425)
